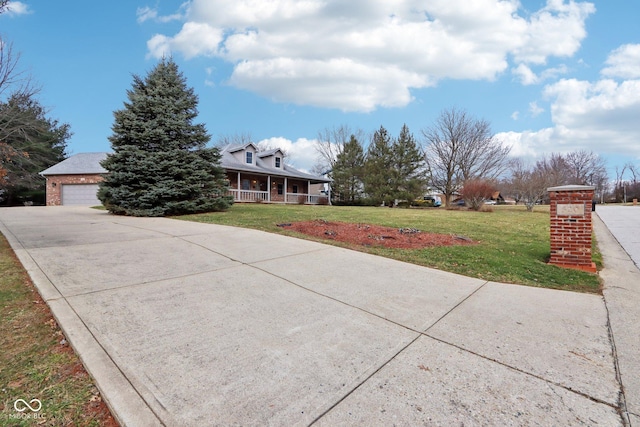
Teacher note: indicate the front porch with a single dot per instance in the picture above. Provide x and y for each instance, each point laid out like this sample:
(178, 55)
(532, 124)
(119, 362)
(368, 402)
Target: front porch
(253, 188)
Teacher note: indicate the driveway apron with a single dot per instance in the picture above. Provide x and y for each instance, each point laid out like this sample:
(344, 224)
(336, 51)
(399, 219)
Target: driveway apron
(188, 324)
(618, 234)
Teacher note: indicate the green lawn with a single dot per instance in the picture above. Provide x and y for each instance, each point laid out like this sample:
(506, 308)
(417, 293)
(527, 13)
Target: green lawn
(513, 243)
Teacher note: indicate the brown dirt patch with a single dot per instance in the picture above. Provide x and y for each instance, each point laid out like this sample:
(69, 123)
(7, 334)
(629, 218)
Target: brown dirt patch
(375, 235)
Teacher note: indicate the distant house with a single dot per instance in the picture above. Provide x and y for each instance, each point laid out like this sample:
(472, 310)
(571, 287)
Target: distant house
(497, 197)
(263, 176)
(253, 177)
(74, 181)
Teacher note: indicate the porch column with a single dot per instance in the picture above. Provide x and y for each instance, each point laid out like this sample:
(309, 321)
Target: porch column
(268, 188)
(285, 189)
(308, 191)
(239, 197)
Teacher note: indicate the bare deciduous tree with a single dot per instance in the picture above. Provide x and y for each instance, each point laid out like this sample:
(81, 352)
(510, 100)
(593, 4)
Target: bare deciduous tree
(11, 77)
(528, 184)
(272, 145)
(17, 84)
(235, 139)
(3, 5)
(330, 143)
(459, 147)
(586, 167)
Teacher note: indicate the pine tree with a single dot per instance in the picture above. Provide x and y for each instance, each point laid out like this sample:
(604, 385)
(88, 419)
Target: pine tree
(160, 163)
(347, 172)
(29, 143)
(408, 167)
(378, 168)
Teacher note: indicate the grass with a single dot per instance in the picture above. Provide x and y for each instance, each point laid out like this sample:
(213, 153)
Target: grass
(513, 243)
(36, 362)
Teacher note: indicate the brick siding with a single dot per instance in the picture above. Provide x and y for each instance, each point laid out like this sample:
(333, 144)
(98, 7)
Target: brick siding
(571, 230)
(55, 182)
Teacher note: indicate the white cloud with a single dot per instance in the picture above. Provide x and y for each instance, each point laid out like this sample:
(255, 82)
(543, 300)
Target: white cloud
(527, 77)
(194, 39)
(534, 109)
(151, 14)
(301, 153)
(599, 116)
(146, 13)
(555, 30)
(624, 62)
(15, 8)
(527, 144)
(515, 115)
(358, 86)
(364, 54)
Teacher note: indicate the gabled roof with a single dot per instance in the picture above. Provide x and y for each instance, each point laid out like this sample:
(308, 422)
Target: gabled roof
(78, 164)
(269, 153)
(235, 148)
(230, 163)
(89, 163)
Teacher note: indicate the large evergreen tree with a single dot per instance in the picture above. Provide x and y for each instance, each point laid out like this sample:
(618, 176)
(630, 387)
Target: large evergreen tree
(378, 180)
(160, 163)
(348, 172)
(408, 167)
(29, 143)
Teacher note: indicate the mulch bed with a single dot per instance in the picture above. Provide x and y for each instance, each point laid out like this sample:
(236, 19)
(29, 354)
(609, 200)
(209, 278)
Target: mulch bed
(375, 235)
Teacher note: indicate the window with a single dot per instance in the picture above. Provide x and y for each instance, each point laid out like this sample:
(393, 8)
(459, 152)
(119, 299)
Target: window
(246, 185)
(280, 188)
(277, 162)
(295, 189)
(249, 157)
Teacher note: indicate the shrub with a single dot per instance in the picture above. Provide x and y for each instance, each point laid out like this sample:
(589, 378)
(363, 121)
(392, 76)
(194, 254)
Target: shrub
(475, 192)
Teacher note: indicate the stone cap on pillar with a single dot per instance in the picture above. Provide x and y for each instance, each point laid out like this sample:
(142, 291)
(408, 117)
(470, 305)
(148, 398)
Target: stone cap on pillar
(571, 188)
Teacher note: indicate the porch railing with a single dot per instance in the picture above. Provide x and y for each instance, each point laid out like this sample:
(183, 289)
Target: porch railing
(263, 196)
(310, 199)
(249, 195)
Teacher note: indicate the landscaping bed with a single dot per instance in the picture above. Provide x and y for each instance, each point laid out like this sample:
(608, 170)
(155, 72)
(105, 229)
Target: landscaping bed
(375, 235)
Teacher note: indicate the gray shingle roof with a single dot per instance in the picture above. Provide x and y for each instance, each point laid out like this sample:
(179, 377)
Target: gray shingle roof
(89, 163)
(230, 163)
(81, 163)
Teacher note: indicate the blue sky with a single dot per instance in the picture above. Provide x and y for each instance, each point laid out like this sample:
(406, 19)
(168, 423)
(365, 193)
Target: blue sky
(550, 76)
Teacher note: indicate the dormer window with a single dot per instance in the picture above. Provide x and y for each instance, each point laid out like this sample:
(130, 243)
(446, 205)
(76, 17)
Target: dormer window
(249, 157)
(277, 162)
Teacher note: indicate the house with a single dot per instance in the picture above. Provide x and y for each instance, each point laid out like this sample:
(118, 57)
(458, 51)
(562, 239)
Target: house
(74, 181)
(253, 177)
(496, 196)
(263, 176)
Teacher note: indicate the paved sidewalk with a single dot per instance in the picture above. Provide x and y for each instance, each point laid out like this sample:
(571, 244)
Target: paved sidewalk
(186, 324)
(619, 242)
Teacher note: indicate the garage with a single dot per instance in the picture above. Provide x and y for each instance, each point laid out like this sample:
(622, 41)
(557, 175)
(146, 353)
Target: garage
(80, 194)
(74, 181)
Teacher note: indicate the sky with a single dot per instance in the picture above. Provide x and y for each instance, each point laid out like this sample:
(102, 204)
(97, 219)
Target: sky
(549, 76)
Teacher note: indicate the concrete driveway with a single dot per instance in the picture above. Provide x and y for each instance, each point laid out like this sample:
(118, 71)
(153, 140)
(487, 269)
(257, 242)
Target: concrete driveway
(186, 324)
(619, 242)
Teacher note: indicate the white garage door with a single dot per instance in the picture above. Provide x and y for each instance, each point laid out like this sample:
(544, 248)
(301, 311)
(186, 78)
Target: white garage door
(80, 194)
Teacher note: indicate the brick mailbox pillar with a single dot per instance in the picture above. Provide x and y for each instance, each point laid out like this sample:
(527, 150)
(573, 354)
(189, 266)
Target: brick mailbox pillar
(571, 226)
